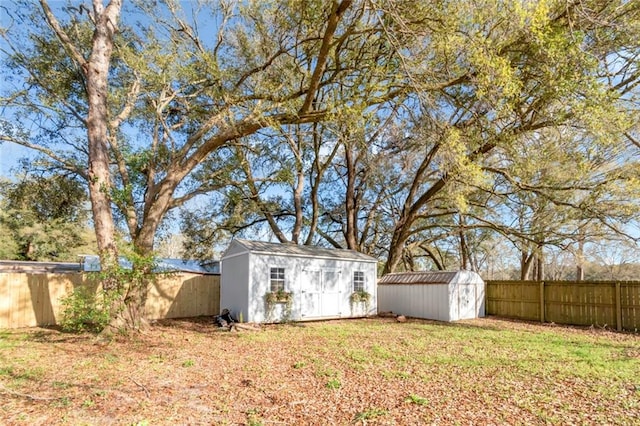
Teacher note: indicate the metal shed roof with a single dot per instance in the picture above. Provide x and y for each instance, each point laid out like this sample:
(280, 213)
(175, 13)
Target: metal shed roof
(38, 267)
(421, 277)
(92, 263)
(193, 266)
(263, 247)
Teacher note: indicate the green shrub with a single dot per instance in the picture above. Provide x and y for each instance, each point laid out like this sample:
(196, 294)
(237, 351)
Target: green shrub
(84, 311)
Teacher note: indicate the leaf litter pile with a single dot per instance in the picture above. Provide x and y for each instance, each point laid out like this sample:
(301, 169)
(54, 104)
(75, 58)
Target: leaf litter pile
(365, 371)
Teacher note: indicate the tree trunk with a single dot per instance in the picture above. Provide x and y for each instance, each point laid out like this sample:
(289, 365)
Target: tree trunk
(464, 264)
(315, 185)
(350, 200)
(540, 269)
(526, 264)
(432, 255)
(408, 261)
(464, 248)
(298, 189)
(395, 250)
(96, 71)
(315, 209)
(579, 273)
(580, 260)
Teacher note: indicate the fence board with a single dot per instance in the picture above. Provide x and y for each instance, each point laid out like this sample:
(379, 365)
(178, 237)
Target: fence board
(34, 299)
(630, 305)
(517, 299)
(603, 303)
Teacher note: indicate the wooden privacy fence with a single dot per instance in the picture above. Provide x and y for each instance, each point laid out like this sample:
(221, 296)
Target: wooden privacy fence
(34, 299)
(604, 303)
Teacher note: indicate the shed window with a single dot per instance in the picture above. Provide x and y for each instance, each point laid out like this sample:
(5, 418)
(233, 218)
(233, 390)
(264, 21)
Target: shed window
(358, 281)
(277, 279)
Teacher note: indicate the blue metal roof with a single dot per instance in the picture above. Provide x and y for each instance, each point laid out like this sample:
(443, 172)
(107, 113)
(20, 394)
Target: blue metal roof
(92, 263)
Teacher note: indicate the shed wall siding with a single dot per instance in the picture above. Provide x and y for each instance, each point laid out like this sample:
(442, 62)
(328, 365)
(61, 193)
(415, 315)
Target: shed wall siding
(298, 273)
(259, 282)
(234, 286)
(234, 249)
(420, 301)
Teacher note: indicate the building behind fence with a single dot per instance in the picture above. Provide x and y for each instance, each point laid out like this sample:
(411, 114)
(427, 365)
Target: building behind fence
(614, 304)
(34, 299)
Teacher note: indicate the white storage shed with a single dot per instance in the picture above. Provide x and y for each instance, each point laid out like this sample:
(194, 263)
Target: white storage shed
(272, 282)
(441, 295)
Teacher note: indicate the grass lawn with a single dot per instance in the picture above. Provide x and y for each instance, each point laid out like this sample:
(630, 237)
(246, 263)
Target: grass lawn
(369, 371)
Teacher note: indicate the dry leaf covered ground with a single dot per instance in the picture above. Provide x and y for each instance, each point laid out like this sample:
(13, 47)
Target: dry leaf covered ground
(367, 371)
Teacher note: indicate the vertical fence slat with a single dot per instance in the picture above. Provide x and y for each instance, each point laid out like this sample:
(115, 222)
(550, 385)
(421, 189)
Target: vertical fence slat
(542, 301)
(5, 300)
(618, 308)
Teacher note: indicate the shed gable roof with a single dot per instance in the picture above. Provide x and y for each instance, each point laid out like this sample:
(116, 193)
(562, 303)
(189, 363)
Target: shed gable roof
(262, 247)
(420, 277)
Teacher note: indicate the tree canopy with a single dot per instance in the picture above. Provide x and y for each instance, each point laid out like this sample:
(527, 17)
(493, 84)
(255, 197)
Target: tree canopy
(45, 219)
(406, 130)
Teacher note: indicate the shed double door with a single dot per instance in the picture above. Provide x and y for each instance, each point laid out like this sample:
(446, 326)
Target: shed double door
(321, 293)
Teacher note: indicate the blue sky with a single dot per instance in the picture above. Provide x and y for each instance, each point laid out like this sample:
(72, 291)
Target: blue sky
(10, 154)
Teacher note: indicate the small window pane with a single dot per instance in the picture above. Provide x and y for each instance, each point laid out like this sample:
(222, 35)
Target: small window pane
(277, 279)
(358, 281)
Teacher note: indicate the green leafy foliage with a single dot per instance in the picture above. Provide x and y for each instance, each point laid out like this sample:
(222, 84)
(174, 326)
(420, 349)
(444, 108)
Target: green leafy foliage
(87, 310)
(44, 218)
(358, 300)
(360, 296)
(9, 249)
(281, 298)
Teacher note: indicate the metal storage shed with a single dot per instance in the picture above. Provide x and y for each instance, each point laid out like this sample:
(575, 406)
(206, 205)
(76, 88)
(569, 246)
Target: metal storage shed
(441, 295)
(271, 282)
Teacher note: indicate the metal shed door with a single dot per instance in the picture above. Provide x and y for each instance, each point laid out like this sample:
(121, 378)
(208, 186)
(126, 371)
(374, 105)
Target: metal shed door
(466, 301)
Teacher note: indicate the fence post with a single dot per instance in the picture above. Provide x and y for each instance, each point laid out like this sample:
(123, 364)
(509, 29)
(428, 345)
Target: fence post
(541, 301)
(618, 307)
